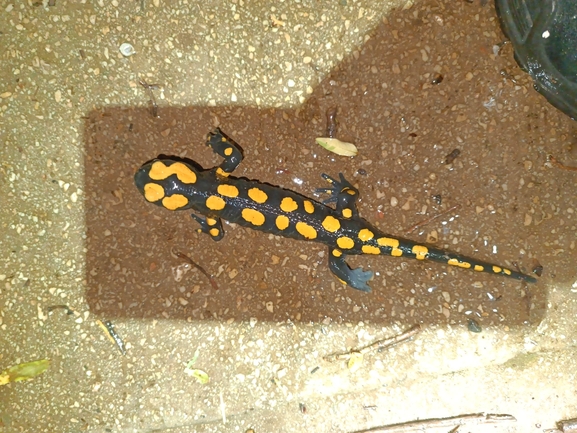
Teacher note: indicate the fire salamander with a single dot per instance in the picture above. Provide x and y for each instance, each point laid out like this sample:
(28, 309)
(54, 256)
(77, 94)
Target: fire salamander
(177, 184)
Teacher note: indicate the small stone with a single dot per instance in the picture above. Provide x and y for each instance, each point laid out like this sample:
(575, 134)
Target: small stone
(127, 50)
(474, 326)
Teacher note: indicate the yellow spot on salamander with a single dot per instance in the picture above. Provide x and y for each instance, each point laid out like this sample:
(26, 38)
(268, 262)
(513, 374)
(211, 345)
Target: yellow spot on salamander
(309, 207)
(506, 271)
(221, 172)
(153, 192)
(288, 204)
(393, 244)
(215, 203)
(420, 252)
(253, 216)
(497, 269)
(282, 222)
(350, 191)
(369, 249)
(160, 171)
(210, 221)
(345, 243)
(331, 224)
(347, 213)
(174, 202)
(227, 190)
(307, 231)
(479, 268)
(388, 242)
(228, 151)
(214, 232)
(337, 253)
(257, 195)
(365, 234)
(455, 262)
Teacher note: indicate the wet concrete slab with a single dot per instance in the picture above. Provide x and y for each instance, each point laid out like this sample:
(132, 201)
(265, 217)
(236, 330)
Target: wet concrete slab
(489, 190)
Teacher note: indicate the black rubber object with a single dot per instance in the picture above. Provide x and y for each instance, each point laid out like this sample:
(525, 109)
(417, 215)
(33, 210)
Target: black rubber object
(544, 36)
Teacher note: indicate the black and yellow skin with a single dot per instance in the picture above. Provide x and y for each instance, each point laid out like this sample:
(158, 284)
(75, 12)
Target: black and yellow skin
(178, 185)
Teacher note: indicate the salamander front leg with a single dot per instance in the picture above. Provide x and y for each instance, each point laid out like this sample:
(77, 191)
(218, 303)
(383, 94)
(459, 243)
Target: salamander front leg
(343, 193)
(225, 147)
(356, 278)
(210, 226)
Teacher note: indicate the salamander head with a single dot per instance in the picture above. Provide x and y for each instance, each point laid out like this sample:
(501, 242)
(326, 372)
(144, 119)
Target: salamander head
(161, 182)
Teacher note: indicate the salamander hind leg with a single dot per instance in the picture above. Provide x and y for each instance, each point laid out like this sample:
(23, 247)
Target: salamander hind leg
(343, 193)
(210, 226)
(225, 147)
(356, 278)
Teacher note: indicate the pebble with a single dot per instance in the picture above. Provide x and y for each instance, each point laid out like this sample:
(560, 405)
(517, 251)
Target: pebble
(127, 50)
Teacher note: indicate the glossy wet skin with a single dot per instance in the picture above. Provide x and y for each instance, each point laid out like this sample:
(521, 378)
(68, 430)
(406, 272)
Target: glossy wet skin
(176, 185)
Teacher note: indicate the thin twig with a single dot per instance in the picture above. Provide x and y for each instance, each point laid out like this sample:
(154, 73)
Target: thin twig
(436, 423)
(557, 164)
(149, 88)
(434, 217)
(377, 345)
(200, 268)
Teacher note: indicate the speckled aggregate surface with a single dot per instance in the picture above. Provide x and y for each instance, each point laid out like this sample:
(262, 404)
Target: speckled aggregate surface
(411, 84)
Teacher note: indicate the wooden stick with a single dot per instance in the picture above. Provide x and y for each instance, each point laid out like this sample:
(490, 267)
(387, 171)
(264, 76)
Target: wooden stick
(377, 345)
(437, 423)
(197, 266)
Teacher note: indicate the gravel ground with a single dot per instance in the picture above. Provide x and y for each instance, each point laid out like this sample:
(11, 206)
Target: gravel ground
(447, 126)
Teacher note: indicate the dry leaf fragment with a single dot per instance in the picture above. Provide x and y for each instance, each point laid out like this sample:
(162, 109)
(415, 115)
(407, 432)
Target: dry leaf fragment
(24, 371)
(337, 146)
(200, 375)
(355, 361)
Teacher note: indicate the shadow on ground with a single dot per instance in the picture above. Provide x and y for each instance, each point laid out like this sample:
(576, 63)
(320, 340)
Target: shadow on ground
(407, 100)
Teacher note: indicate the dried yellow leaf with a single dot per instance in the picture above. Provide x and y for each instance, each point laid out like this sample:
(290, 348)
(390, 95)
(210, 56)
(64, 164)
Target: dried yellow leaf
(200, 375)
(24, 371)
(337, 146)
(355, 361)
